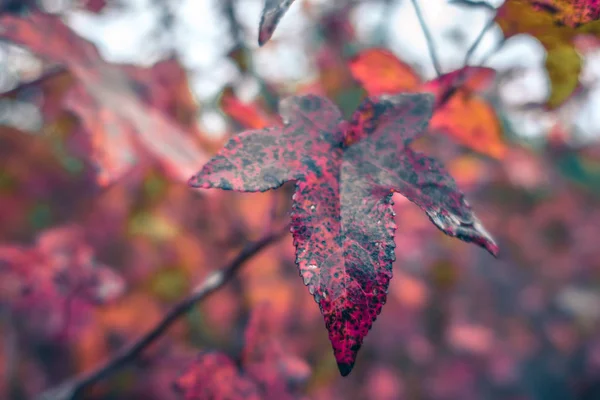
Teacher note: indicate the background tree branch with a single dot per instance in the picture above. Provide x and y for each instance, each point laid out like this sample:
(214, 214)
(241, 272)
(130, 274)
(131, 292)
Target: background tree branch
(74, 388)
(428, 38)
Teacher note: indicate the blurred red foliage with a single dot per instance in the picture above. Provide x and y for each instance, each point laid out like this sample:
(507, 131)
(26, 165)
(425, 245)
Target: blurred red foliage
(86, 269)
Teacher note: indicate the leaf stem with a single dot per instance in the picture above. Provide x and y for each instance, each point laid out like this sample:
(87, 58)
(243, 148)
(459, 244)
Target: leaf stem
(428, 38)
(73, 388)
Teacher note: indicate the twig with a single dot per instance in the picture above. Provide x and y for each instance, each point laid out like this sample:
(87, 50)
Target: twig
(382, 31)
(428, 38)
(236, 30)
(486, 6)
(471, 3)
(73, 388)
(493, 52)
(461, 78)
(475, 44)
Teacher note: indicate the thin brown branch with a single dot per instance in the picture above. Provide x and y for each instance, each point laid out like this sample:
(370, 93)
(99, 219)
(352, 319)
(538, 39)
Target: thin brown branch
(475, 44)
(461, 78)
(236, 31)
(428, 38)
(474, 4)
(485, 6)
(493, 52)
(75, 387)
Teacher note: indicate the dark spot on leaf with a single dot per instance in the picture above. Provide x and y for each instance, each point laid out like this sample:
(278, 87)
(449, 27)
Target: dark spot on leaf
(225, 184)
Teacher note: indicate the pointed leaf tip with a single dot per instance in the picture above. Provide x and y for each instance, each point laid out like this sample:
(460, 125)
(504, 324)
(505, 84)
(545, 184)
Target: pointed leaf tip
(272, 13)
(493, 249)
(467, 228)
(263, 38)
(490, 245)
(484, 239)
(477, 234)
(345, 368)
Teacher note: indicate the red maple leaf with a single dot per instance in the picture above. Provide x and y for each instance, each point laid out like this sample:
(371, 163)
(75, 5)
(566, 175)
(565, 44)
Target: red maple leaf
(342, 219)
(121, 126)
(266, 371)
(272, 13)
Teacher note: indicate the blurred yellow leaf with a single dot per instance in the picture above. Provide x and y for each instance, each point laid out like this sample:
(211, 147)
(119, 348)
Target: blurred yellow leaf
(169, 284)
(521, 16)
(563, 64)
(539, 19)
(153, 226)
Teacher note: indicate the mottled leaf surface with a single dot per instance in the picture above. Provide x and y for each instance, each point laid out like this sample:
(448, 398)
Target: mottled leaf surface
(458, 110)
(272, 13)
(105, 99)
(342, 220)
